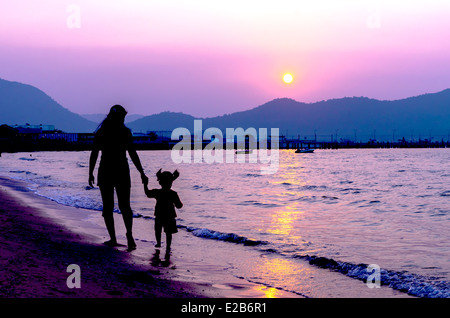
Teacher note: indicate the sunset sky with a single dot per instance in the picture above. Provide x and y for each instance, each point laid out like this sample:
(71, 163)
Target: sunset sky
(212, 57)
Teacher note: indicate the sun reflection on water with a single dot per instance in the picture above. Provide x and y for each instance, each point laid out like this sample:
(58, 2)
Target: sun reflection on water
(285, 273)
(282, 221)
(269, 292)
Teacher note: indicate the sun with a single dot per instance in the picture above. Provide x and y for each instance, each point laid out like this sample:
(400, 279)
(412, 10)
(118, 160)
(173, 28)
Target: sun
(288, 78)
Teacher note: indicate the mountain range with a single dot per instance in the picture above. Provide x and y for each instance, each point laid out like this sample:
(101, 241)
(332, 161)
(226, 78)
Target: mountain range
(353, 118)
(364, 118)
(21, 104)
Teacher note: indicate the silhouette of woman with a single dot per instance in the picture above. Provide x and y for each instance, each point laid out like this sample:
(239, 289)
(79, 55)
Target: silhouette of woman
(114, 139)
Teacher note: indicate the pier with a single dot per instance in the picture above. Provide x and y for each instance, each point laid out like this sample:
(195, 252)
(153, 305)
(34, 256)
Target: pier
(31, 138)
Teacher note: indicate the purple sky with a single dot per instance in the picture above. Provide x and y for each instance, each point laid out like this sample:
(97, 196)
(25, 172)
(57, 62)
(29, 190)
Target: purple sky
(208, 58)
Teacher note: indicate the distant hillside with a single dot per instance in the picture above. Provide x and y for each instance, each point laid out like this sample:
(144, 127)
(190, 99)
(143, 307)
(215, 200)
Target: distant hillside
(425, 114)
(21, 104)
(354, 118)
(351, 118)
(162, 121)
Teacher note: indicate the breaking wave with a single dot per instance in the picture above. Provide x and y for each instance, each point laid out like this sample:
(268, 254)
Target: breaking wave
(412, 284)
(226, 237)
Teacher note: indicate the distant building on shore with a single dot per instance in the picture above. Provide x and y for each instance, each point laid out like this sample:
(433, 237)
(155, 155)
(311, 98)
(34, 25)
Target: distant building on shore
(45, 137)
(19, 138)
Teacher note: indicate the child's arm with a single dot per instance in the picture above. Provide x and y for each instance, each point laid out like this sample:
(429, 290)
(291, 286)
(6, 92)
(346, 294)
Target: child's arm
(149, 193)
(177, 201)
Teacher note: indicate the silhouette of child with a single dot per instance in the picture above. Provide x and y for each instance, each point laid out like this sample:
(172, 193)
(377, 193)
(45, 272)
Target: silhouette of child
(166, 202)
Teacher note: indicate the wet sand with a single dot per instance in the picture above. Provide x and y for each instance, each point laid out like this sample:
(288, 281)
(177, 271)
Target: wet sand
(35, 254)
(40, 238)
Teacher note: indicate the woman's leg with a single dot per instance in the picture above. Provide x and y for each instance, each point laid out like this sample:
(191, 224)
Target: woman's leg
(107, 193)
(123, 196)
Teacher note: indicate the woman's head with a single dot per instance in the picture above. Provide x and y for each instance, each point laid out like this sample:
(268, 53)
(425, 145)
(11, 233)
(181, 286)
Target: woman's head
(114, 119)
(117, 114)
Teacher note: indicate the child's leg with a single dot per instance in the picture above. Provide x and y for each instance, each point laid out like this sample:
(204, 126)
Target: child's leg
(169, 240)
(158, 230)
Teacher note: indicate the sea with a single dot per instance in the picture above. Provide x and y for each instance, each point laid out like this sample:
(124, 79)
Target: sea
(333, 223)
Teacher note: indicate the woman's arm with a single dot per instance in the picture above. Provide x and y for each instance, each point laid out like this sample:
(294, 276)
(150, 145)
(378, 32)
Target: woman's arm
(92, 162)
(135, 158)
(137, 163)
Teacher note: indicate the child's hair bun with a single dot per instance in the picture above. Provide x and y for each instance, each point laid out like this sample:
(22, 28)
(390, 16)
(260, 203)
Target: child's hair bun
(167, 175)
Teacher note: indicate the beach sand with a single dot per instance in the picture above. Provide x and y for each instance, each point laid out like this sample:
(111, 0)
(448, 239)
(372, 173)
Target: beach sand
(40, 238)
(35, 254)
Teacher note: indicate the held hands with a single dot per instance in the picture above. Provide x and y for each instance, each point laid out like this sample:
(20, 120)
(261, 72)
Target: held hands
(144, 179)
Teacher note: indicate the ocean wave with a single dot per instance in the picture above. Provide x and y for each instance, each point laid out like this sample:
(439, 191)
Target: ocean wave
(252, 175)
(23, 171)
(257, 203)
(72, 201)
(314, 198)
(226, 237)
(214, 189)
(313, 187)
(27, 159)
(412, 284)
(206, 188)
(351, 190)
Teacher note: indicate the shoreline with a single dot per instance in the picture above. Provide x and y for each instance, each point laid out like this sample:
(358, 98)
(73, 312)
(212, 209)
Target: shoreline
(35, 253)
(40, 238)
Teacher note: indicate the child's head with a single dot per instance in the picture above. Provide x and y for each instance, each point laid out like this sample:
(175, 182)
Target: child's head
(166, 178)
